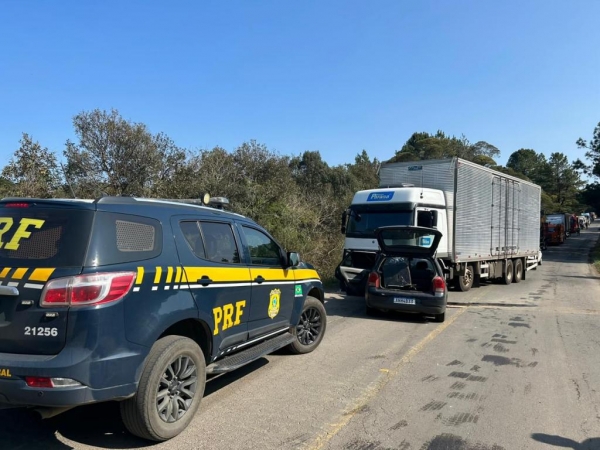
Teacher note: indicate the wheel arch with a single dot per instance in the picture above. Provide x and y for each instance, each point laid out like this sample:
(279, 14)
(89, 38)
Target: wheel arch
(317, 293)
(194, 329)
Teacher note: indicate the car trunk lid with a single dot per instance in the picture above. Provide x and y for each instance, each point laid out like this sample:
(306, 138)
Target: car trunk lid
(408, 241)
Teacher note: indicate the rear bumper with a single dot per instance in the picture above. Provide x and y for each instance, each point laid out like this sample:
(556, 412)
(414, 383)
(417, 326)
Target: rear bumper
(423, 304)
(111, 378)
(15, 393)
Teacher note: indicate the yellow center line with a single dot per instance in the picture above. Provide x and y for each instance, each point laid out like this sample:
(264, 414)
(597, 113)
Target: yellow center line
(385, 376)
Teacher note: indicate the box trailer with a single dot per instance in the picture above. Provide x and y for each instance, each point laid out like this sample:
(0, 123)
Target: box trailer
(490, 221)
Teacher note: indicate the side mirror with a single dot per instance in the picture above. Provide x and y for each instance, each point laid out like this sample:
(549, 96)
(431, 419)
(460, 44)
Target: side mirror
(293, 259)
(344, 217)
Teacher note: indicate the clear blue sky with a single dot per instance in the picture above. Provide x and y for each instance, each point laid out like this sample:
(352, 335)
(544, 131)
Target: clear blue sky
(333, 76)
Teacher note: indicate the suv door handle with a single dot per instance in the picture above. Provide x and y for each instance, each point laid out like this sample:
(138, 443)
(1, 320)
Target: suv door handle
(204, 281)
(259, 279)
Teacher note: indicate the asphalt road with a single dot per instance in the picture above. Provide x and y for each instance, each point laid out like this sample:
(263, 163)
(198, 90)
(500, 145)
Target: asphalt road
(513, 367)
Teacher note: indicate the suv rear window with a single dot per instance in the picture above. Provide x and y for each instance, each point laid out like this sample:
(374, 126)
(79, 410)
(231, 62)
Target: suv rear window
(123, 238)
(44, 237)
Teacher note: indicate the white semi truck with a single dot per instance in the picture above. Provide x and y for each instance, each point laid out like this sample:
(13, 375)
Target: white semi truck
(490, 221)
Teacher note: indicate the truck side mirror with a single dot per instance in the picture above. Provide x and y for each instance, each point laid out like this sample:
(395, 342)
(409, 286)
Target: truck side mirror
(293, 259)
(344, 217)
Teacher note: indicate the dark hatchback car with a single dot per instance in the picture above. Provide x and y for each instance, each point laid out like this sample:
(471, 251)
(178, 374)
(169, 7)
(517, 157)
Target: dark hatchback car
(406, 276)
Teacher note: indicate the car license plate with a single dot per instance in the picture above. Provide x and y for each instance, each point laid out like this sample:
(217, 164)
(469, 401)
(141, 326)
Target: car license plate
(404, 300)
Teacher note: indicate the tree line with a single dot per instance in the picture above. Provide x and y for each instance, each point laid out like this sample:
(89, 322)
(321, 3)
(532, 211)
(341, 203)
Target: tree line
(298, 198)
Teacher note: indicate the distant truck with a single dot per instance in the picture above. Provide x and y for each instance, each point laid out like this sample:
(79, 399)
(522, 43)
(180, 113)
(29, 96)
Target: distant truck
(557, 228)
(490, 221)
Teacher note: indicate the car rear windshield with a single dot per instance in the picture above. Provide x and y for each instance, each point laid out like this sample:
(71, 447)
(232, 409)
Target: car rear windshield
(44, 237)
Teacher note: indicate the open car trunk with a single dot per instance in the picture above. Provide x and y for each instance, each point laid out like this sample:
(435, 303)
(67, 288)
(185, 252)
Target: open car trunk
(407, 274)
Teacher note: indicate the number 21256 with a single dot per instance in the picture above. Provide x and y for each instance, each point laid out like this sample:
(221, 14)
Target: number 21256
(41, 331)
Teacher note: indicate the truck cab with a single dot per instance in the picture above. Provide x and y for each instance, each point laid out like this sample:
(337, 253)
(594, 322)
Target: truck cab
(374, 208)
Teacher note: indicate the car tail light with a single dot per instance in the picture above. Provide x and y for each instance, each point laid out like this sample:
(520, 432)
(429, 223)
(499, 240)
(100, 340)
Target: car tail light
(91, 289)
(439, 286)
(39, 382)
(17, 205)
(374, 280)
(45, 382)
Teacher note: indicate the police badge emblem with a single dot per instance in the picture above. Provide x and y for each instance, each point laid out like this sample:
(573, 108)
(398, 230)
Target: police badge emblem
(274, 301)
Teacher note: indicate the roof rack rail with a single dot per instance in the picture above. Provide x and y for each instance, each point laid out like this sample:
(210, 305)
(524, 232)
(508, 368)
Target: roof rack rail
(207, 201)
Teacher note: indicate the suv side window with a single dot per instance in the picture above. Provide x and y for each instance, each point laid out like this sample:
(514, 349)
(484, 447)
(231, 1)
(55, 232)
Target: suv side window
(263, 250)
(192, 235)
(121, 238)
(211, 240)
(219, 242)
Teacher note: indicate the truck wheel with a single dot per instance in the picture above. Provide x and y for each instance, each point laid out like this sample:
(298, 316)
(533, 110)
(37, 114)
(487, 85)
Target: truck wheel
(518, 276)
(439, 317)
(311, 327)
(169, 392)
(465, 282)
(508, 273)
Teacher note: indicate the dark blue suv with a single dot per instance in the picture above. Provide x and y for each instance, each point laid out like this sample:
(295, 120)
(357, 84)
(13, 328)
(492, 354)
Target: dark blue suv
(138, 300)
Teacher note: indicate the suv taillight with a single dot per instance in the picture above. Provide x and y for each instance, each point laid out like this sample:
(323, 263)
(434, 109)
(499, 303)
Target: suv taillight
(374, 280)
(439, 286)
(93, 289)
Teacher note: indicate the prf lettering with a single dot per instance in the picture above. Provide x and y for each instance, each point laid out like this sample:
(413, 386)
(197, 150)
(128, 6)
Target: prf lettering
(6, 223)
(224, 315)
(5, 373)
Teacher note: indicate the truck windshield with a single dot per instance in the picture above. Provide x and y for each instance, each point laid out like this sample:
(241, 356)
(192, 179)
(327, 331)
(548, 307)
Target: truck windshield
(364, 223)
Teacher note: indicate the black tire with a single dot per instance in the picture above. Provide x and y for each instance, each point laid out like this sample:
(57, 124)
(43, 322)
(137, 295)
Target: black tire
(370, 311)
(465, 283)
(311, 327)
(352, 291)
(439, 317)
(141, 414)
(507, 278)
(518, 273)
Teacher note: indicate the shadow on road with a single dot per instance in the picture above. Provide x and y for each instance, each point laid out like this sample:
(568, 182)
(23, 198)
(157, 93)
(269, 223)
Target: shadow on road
(558, 441)
(350, 306)
(585, 277)
(97, 425)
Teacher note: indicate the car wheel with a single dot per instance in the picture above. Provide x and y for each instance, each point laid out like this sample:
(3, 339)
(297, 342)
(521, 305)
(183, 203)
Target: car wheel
(465, 282)
(370, 311)
(508, 274)
(352, 291)
(310, 329)
(169, 392)
(518, 275)
(439, 317)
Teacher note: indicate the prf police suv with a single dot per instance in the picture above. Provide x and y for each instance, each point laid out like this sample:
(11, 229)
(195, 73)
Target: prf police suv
(137, 300)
